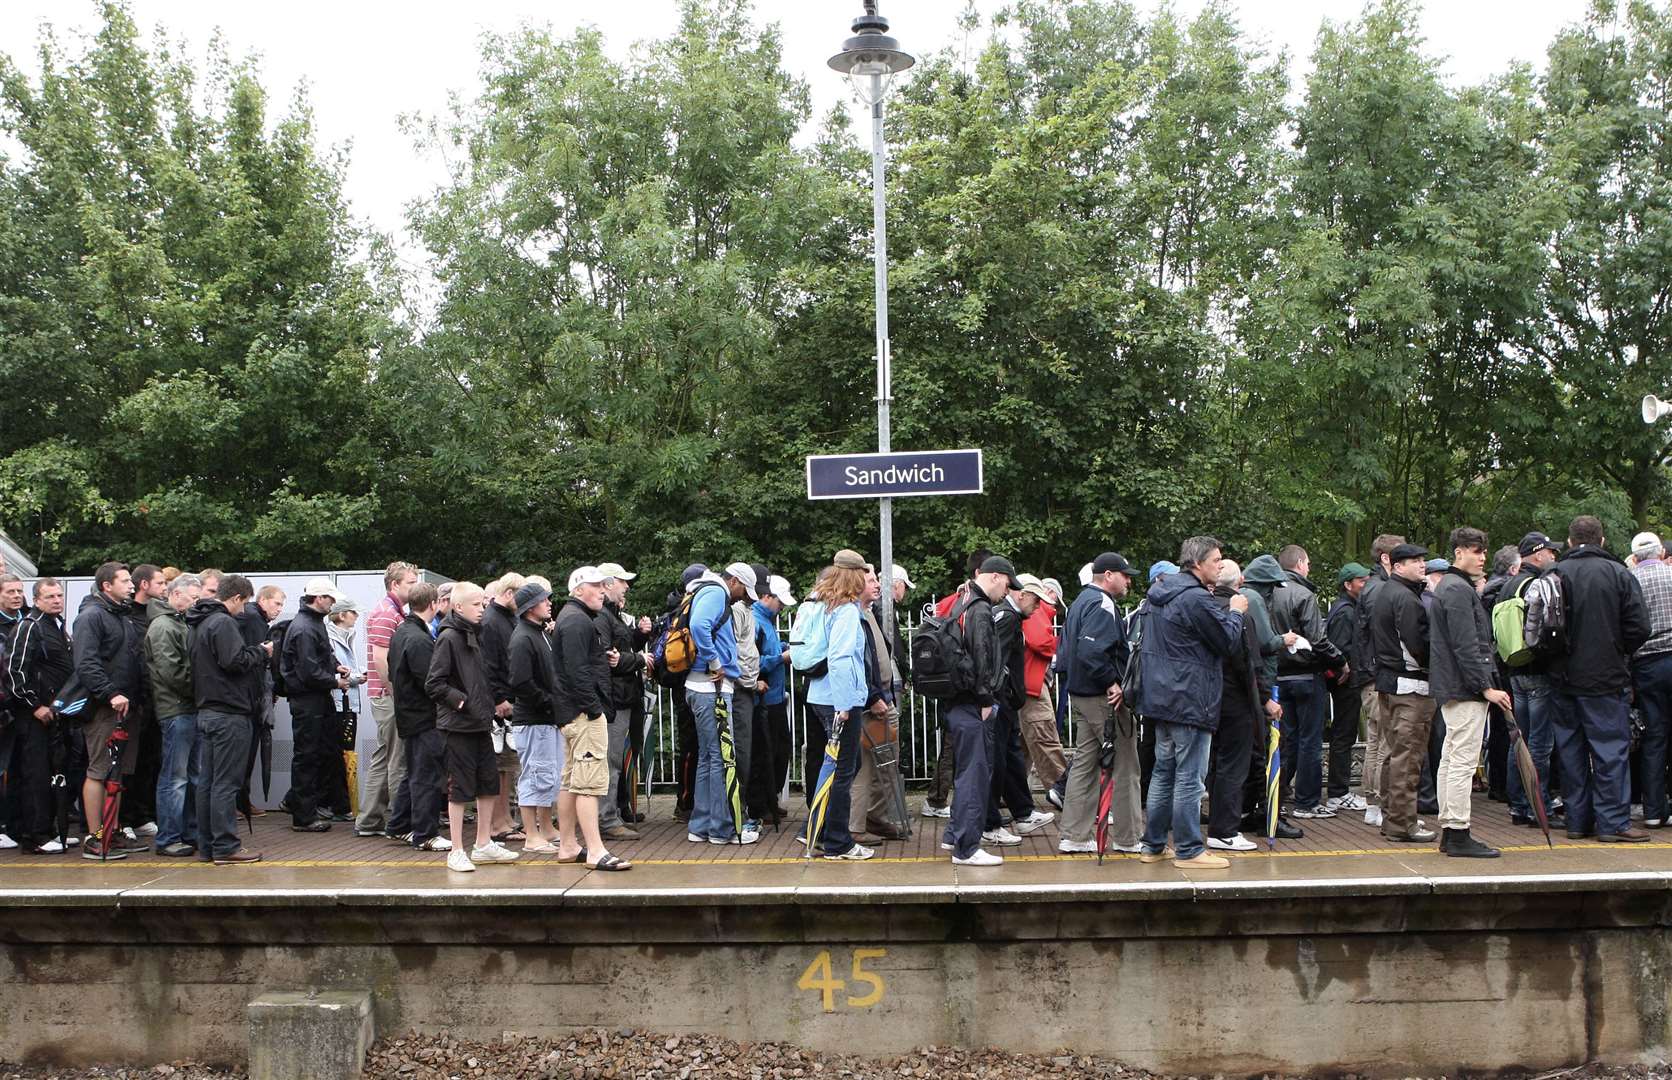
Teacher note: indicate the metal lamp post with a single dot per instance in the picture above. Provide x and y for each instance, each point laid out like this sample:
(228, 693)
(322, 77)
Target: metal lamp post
(870, 59)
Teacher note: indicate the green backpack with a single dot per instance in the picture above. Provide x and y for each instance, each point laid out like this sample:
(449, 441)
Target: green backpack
(1509, 621)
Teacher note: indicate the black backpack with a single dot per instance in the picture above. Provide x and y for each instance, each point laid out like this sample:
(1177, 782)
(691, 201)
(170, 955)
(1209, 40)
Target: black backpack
(941, 666)
(276, 636)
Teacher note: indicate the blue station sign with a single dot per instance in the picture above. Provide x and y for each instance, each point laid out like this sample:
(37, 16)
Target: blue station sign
(877, 476)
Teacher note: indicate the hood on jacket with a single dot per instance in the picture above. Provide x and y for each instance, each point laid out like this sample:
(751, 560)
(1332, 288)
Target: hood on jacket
(202, 609)
(706, 577)
(1171, 587)
(469, 629)
(1264, 570)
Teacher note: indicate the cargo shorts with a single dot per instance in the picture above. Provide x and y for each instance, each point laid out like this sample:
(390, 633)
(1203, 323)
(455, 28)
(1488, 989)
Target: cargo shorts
(586, 761)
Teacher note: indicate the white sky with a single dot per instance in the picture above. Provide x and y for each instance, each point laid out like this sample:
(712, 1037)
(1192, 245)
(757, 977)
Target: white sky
(366, 62)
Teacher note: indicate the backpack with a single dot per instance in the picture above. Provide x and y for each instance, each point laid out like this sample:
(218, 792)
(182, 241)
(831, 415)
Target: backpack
(276, 636)
(811, 655)
(1509, 628)
(941, 665)
(676, 651)
(1545, 630)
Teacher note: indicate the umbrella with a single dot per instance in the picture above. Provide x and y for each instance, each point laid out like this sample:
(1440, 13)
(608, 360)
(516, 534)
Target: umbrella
(1274, 772)
(1529, 774)
(1105, 783)
(821, 790)
(58, 760)
(885, 759)
(728, 758)
(264, 751)
(113, 785)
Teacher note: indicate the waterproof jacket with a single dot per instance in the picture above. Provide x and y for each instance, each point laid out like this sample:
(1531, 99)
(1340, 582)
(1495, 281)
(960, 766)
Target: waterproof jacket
(843, 685)
(981, 642)
(39, 664)
(583, 671)
(1399, 628)
(227, 670)
(1607, 621)
(411, 648)
(1185, 641)
(772, 654)
(457, 681)
(1260, 581)
(1007, 624)
(253, 625)
(711, 631)
(1341, 627)
(494, 633)
(748, 653)
(1095, 648)
(533, 677)
(627, 676)
(106, 647)
(1041, 640)
(168, 662)
(1294, 606)
(1244, 692)
(1460, 649)
(309, 663)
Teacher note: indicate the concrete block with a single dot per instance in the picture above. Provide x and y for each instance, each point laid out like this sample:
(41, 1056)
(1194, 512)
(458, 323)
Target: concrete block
(309, 1035)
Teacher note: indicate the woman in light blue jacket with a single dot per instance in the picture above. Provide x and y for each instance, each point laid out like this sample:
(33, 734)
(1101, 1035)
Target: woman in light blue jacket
(837, 697)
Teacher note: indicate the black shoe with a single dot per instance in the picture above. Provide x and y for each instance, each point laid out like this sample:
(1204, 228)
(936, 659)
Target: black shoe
(1498, 795)
(313, 826)
(1571, 835)
(1428, 806)
(1522, 819)
(1285, 830)
(1460, 845)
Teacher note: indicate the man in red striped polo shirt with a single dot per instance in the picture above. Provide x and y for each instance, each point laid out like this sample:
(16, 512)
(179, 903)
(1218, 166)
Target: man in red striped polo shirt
(388, 765)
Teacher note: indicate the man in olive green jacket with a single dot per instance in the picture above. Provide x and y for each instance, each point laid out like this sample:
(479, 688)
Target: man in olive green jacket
(168, 663)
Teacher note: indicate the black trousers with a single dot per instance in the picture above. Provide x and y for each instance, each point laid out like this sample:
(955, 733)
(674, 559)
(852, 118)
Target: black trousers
(335, 795)
(313, 737)
(813, 748)
(1340, 737)
(423, 792)
(29, 780)
(139, 791)
(1009, 783)
(761, 794)
(632, 767)
(1228, 768)
(1146, 756)
(687, 764)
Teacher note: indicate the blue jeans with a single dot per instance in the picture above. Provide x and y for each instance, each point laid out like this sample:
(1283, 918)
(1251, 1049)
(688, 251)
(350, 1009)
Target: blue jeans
(710, 812)
(972, 784)
(1534, 707)
(1175, 789)
(1593, 738)
(1305, 707)
(178, 782)
(223, 756)
(1654, 696)
(835, 838)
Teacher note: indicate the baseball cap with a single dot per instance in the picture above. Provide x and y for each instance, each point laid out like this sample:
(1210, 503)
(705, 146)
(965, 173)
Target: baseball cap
(1645, 544)
(691, 573)
(1406, 552)
(1436, 566)
(998, 564)
(1537, 541)
(745, 573)
(530, 595)
(780, 588)
(1115, 561)
(901, 575)
(615, 570)
(585, 575)
(1037, 588)
(1161, 569)
(1052, 585)
(1027, 579)
(1351, 572)
(1085, 574)
(849, 559)
(321, 586)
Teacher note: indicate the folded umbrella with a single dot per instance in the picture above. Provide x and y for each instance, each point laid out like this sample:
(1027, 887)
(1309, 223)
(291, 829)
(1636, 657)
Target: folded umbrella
(821, 790)
(1529, 774)
(1274, 773)
(265, 751)
(728, 759)
(1105, 783)
(58, 761)
(114, 746)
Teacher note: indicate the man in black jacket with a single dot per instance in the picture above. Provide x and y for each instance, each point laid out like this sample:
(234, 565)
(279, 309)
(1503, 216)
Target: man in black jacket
(532, 677)
(105, 646)
(1004, 743)
(1093, 659)
(626, 694)
(1607, 621)
(1399, 629)
(498, 623)
(1349, 699)
(969, 713)
(1461, 676)
(582, 703)
(1300, 686)
(225, 671)
(422, 797)
(37, 667)
(1364, 667)
(1245, 705)
(310, 672)
(1530, 685)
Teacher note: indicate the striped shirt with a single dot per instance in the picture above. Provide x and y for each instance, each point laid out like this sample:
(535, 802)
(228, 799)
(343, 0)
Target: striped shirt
(1655, 576)
(380, 630)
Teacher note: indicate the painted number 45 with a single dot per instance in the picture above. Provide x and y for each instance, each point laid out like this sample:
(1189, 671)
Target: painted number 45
(819, 976)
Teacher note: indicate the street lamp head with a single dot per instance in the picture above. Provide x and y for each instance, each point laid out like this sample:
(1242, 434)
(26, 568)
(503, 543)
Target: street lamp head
(870, 59)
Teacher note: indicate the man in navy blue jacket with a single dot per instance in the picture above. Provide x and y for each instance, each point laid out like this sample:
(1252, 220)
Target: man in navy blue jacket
(1093, 656)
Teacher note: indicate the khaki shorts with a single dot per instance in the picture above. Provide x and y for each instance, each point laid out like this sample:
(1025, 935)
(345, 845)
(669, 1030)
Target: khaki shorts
(97, 734)
(586, 761)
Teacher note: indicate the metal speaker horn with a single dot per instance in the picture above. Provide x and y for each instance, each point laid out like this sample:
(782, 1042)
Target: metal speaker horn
(1654, 408)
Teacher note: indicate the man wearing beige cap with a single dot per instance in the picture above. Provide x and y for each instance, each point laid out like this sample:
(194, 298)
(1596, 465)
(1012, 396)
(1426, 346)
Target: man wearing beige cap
(626, 689)
(310, 671)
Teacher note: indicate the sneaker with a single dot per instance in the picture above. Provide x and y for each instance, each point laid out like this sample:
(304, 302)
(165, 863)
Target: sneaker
(1000, 836)
(937, 811)
(1238, 842)
(748, 836)
(95, 850)
(1313, 812)
(242, 855)
(313, 826)
(945, 846)
(695, 839)
(1034, 822)
(1127, 849)
(51, 847)
(857, 853)
(177, 850)
(492, 852)
(1203, 861)
(720, 842)
(1373, 816)
(1054, 798)
(436, 843)
(6, 842)
(980, 857)
(1072, 847)
(358, 831)
(148, 829)
(459, 862)
(1347, 802)
(129, 835)
(402, 837)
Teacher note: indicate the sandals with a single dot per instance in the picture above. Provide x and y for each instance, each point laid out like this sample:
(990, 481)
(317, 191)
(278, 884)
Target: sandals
(539, 849)
(514, 835)
(580, 858)
(610, 862)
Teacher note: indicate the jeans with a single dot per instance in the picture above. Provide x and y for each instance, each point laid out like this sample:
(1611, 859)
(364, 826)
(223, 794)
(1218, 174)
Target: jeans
(1175, 792)
(1654, 696)
(1009, 783)
(1593, 740)
(423, 791)
(223, 749)
(179, 782)
(710, 811)
(973, 781)
(1304, 705)
(835, 838)
(1534, 708)
(387, 769)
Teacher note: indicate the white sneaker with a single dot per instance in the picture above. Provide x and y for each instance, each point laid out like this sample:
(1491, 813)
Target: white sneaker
(857, 853)
(1077, 847)
(493, 852)
(1308, 813)
(693, 838)
(748, 836)
(1348, 802)
(1127, 849)
(148, 829)
(6, 842)
(937, 811)
(459, 862)
(980, 858)
(1034, 822)
(1238, 842)
(1001, 836)
(129, 834)
(52, 847)
(436, 843)
(1373, 815)
(945, 846)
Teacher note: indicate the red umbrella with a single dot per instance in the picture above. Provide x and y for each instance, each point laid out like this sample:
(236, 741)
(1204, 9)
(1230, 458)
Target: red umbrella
(114, 746)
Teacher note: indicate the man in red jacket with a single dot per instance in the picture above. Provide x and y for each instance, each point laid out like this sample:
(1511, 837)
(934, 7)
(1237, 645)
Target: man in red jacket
(1040, 743)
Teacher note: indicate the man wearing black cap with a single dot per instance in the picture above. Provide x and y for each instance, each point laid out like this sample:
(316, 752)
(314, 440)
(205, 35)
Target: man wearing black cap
(1529, 684)
(969, 713)
(1399, 628)
(1094, 655)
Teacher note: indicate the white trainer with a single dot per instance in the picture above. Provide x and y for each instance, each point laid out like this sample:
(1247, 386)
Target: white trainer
(1034, 822)
(1001, 836)
(436, 843)
(1348, 803)
(857, 853)
(1373, 815)
(1238, 842)
(492, 852)
(981, 857)
(1077, 847)
(148, 829)
(937, 811)
(6, 842)
(1127, 849)
(459, 862)
(748, 836)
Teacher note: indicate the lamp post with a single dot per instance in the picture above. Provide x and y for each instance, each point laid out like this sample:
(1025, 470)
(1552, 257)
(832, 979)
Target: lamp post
(870, 59)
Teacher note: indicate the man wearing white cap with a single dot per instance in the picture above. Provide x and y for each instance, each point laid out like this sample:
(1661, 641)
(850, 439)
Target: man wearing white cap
(583, 702)
(1651, 672)
(713, 677)
(310, 671)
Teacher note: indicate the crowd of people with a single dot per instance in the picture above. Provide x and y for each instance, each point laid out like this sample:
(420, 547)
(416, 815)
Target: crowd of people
(505, 702)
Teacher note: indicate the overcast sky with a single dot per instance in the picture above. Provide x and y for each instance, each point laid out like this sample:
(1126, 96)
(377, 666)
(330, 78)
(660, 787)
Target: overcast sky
(365, 62)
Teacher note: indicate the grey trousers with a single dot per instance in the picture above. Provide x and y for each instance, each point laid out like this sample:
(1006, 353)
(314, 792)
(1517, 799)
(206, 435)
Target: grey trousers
(387, 769)
(1079, 804)
(609, 809)
(223, 752)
